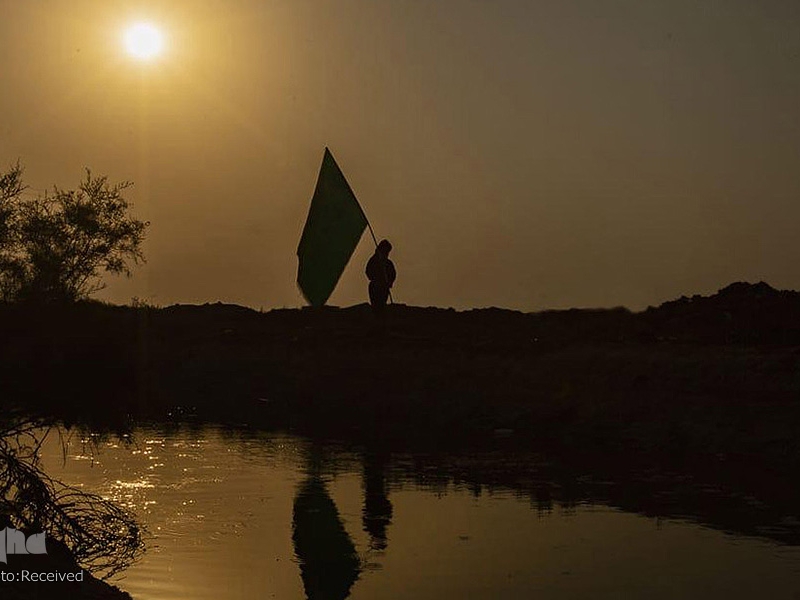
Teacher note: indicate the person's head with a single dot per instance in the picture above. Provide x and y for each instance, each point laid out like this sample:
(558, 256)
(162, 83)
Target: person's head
(384, 247)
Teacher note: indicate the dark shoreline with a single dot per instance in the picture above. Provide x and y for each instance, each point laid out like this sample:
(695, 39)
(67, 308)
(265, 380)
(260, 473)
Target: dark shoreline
(702, 377)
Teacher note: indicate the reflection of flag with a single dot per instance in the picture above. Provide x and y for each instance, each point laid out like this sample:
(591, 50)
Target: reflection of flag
(333, 229)
(329, 565)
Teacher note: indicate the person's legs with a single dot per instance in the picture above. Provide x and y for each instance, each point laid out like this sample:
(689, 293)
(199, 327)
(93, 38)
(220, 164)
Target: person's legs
(378, 295)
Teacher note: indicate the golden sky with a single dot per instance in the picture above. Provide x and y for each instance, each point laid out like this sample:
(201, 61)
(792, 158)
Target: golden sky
(525, 154)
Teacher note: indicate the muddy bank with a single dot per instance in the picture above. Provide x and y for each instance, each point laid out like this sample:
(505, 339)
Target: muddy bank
(716, 376)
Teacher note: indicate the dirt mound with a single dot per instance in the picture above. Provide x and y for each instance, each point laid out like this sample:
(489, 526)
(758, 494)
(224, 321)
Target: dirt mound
(739, 313)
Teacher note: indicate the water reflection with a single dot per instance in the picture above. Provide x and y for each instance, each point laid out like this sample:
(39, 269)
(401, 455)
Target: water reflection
(329, 564)
(251, 515)
(329, 561)
(377, 513)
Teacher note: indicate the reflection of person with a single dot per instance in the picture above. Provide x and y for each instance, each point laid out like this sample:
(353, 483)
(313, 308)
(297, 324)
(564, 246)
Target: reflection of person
(377, 514)
(381, 274)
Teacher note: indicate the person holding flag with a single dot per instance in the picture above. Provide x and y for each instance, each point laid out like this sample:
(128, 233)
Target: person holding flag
(381, 274)
(332, 231)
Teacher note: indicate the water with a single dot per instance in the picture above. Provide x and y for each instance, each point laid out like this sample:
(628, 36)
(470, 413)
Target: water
(237, 515)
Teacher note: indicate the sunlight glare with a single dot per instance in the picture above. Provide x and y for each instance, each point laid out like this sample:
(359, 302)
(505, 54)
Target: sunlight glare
(143, 41)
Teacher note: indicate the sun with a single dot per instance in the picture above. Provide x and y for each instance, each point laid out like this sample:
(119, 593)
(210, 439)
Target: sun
(144, 41)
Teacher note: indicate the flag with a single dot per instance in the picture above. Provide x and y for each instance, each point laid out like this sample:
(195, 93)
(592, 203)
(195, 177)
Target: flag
(333, 229)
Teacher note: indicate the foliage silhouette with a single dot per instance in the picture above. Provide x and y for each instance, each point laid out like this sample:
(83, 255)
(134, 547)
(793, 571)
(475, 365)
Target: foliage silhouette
(54, 247)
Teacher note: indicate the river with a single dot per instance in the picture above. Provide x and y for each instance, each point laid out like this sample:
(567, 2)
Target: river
(237, 514)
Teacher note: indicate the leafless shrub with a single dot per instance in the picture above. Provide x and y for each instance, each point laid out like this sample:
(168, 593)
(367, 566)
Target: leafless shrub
(102, 537)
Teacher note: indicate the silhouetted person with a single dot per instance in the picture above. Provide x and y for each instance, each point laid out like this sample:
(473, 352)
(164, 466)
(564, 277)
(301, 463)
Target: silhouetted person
(377, 514)
(381, 274)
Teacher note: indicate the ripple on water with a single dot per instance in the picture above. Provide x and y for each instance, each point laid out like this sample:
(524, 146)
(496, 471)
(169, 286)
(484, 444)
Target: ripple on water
(220, 508)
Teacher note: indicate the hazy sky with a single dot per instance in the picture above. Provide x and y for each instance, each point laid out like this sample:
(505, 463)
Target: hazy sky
(526, 154)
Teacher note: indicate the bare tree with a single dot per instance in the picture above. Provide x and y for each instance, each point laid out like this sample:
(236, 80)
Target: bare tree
(100, 535)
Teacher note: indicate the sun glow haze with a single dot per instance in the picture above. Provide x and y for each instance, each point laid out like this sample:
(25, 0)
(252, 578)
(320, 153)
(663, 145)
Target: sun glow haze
(144, 41)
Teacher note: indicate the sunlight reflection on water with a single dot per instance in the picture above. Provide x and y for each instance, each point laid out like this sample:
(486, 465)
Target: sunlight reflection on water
(228, 514)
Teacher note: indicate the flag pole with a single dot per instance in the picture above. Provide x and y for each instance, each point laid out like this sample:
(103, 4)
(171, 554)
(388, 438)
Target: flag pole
(372, 233)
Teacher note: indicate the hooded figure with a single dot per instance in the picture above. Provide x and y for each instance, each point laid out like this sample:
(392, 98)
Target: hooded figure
(381, 274)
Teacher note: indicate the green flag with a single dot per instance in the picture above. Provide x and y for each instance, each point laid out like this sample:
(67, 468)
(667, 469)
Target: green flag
(333, 229)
